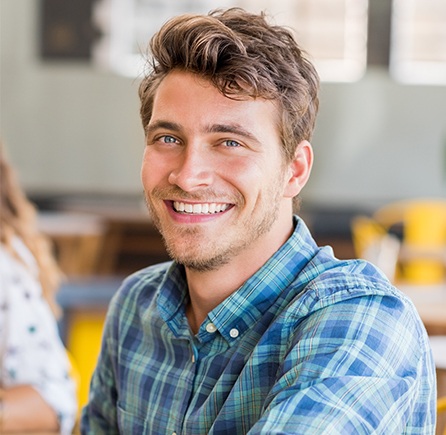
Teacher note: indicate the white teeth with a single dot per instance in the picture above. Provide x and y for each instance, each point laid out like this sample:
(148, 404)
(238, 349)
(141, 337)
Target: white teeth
(206, 208)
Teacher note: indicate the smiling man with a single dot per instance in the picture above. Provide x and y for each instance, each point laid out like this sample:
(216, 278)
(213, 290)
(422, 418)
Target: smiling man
(252, 328)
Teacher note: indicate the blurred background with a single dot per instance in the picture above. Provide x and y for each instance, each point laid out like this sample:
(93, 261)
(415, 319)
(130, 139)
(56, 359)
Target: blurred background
(69, 117)
(69, 106)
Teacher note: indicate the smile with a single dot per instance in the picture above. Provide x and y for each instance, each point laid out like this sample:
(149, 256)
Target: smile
(204, 208)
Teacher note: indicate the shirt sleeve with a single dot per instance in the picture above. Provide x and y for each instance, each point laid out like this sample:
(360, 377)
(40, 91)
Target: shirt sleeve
(99, 416)
(31, 351)
(354, 367)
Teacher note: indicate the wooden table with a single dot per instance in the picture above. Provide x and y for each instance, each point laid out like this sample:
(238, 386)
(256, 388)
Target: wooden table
(77, 239)
(103, 239)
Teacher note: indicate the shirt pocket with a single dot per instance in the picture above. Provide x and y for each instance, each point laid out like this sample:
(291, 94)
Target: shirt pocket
(129, 422)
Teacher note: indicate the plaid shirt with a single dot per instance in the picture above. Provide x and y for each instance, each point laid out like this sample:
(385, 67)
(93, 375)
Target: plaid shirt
(308, 345)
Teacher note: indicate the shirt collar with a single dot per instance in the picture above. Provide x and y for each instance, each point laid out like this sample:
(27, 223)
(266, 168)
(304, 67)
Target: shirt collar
(172, 299)
(243, 308)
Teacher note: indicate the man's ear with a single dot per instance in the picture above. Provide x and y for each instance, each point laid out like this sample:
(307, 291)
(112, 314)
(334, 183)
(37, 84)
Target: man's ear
(299, 169)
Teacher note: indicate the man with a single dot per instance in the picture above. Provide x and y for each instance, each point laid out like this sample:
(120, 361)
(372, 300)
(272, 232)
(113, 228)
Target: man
(252, 328)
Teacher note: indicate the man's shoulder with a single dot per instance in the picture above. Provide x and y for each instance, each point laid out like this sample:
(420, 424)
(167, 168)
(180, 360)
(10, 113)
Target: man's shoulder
(352, 282)
(352, 294)
(351, 276)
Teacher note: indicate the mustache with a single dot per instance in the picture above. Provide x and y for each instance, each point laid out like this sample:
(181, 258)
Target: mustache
(205, 195)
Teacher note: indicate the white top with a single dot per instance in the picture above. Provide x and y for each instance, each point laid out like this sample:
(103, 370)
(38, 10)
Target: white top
(31, 351)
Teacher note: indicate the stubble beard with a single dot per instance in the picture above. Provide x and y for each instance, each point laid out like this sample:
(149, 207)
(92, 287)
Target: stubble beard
(208, 258)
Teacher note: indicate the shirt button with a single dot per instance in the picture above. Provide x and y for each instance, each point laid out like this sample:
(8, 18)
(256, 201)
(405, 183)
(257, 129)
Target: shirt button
(234, 333)
(211, 328)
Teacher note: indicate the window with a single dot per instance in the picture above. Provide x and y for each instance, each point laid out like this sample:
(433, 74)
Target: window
(418, 43)
(127, 26)
(333, 32)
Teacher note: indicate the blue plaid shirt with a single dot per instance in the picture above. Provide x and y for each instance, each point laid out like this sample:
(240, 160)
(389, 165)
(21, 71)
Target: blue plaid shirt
(308, 345)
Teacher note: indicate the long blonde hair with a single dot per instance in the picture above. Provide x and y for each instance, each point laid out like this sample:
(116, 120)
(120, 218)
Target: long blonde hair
(18, 219)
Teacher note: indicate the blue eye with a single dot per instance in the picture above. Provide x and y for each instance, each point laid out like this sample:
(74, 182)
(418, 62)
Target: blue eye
(231, 143)
(168, 139)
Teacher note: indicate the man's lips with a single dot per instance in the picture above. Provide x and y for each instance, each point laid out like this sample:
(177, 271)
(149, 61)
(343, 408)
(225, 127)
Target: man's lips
(202, 208)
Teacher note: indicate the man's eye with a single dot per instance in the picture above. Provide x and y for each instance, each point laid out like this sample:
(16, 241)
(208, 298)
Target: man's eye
(231, 143)
(167, 139)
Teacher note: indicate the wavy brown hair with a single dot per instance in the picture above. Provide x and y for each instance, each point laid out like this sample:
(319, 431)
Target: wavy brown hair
(244, 57)
(18, 219)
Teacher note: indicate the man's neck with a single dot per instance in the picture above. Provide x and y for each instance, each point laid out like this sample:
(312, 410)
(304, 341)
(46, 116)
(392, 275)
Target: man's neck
(208, 289)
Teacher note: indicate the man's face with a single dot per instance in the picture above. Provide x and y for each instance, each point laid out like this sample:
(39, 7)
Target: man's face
(213, 173)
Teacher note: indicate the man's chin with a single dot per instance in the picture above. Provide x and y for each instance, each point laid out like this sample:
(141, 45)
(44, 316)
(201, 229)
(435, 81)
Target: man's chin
(199, 263)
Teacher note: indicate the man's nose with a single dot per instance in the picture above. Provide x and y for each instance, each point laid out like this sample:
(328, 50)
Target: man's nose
(193, 169)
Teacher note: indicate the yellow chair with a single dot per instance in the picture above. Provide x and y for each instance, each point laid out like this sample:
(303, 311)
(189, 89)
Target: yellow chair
(365, 232)
(76, 376)
(74, 372)
(84, 342)
(425, 240)
(423, 253)
(441, 410)
(441, 404)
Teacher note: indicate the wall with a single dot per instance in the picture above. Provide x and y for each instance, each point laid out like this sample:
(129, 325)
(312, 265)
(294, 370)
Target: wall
(377, 140)
(71, 128)
(66, 125)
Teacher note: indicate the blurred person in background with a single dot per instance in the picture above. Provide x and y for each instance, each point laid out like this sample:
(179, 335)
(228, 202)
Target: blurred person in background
(36, 390)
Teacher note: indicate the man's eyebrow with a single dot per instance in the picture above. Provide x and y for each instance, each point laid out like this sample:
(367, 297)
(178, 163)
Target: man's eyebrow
(213, 128)
(231, 128)
(167, 125)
